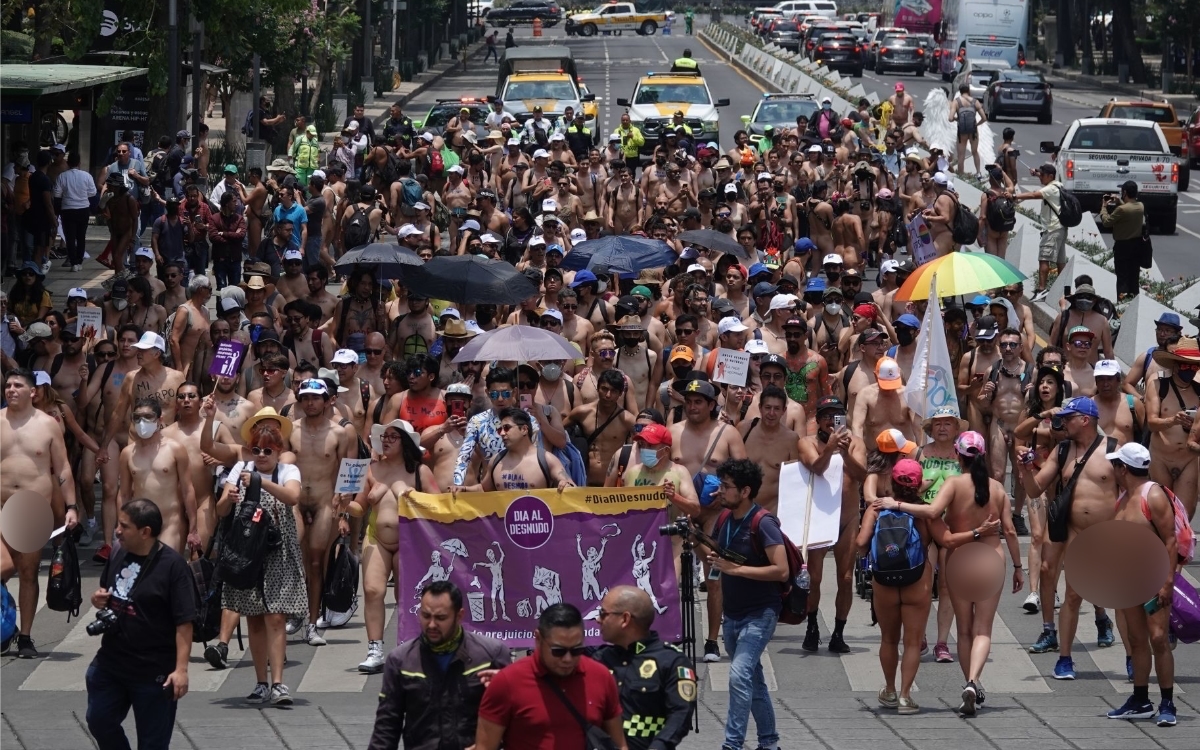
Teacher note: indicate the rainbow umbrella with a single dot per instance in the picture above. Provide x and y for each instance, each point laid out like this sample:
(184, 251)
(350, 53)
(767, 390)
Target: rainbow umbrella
(958, 274)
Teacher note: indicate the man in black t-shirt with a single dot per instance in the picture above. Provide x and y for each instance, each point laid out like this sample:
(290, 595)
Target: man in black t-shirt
(147, 596)
(751, 597)
(40, 220)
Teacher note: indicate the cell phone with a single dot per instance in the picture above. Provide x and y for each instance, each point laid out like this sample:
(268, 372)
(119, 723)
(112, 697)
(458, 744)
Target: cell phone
(526, 401)
(1152, 606)
(714, 575)
(1067, 290)
(839, 421)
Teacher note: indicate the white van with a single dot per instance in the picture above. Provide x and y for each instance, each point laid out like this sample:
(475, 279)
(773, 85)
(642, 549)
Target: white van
(793, 8)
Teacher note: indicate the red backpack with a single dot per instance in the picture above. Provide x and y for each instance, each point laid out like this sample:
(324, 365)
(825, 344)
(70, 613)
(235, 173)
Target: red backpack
(1185, 537)
(793, 598)
(436, 164)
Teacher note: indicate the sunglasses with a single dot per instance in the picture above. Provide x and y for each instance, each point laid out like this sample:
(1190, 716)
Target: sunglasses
(607, 353)
(373, 352)
(104, 355)
(188, 396)
(568, 307)
(685, 331)
(1009, 345)
(500, 394)
(262, 451)
(559, 652)
(1082, 344)
(505, 428)
(724, 215)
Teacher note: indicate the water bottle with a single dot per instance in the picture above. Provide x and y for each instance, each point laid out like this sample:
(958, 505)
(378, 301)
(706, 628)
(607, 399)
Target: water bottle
(804, 580)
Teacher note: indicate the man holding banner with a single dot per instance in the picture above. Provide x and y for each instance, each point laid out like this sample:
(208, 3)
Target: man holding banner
(522, 464)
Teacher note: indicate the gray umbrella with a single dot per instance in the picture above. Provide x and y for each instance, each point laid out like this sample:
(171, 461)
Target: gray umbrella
(517, 344)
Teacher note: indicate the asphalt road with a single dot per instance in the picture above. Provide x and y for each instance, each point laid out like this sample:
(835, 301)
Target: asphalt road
(611, 66)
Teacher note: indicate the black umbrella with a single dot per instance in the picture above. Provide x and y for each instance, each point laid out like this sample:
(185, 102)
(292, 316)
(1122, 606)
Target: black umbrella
(622, 253)
(714, 240)
(389, 261)
(469, 279)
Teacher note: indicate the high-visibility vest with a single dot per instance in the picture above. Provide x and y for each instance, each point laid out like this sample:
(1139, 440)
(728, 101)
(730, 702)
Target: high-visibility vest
(686, 62)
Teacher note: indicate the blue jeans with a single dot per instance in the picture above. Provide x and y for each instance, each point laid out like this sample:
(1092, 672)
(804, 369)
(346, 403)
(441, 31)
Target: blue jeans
(110, 696)
(745, 641)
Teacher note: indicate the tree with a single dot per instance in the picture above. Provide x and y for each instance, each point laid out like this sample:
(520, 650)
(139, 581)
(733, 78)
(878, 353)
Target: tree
(1125, 49)
(1179, 22)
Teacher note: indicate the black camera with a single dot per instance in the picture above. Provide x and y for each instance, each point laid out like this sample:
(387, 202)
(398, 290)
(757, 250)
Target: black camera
(679, 527)
(105, 621)
(1056, 423)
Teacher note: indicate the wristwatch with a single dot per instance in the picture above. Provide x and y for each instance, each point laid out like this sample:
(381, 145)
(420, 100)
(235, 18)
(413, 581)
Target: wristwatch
(975, 533)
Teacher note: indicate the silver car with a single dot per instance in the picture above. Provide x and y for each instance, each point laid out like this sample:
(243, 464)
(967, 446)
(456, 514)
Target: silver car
(977, 74)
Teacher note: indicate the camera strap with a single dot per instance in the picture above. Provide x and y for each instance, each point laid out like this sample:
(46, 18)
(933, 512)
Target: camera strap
(117, 560)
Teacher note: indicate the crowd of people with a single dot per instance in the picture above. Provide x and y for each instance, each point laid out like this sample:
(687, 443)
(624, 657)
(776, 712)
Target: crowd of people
(370, 370)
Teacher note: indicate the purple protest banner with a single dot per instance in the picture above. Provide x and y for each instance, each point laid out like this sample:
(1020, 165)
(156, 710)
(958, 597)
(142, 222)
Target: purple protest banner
(515, 553)
(227, 359)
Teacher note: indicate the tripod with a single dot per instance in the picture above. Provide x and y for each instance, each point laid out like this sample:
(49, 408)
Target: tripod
(687, 602)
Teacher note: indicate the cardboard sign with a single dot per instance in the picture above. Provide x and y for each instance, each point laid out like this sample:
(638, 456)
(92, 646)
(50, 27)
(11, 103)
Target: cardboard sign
(352, 475)
(732, 367)
(810, 505)
(227, 359)
(920, 241)
(91, 322)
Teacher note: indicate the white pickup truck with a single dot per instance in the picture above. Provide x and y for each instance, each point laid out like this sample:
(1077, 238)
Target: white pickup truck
(616, 17)
(1098, 154)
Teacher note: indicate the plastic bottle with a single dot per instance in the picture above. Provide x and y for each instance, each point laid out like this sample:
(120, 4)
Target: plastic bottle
(804, 580)
(57, 564)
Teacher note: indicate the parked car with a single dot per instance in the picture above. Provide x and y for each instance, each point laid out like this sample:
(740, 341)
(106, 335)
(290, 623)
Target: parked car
(1172, 127)
(840, 51)
(900, 53)
(524, 11)
(1018, 93)
(875, 38)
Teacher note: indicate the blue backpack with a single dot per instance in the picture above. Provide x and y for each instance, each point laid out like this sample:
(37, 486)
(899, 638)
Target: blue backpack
(8, 616)
(896, 555)
(412, 191)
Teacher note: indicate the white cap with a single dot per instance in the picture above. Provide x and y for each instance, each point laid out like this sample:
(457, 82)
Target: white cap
(489, 239)
(77, 291)
(1107, 367)
(833, 259)
(291, 254)
(614, 137)
(318, 173)
(314, 386)
(1133, 455)
(577, 236)
(345, 357)
(940, 178)
(408, 230)
(352, 125)
(731, 325)
(451, 312)
(541, 153)
(757, 346)
(696, 267)
(457, 169)
(889, 266)
(514, 141)
(41, 377)
(550, 312)
(427, 137)
(473, 326)
(713, 145)
(763, 176)
(421, 206)
(471, 224)
(144, 252)
(783, 301)
(536, 240)
(549, 205)
(151, 340)
(814, 149)
(827, 100)
(731, 188)
(558, 137)
(888, 371)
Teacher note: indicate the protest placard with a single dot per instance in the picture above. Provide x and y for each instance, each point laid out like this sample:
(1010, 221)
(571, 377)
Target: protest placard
(91, 322)
(352, 475)
(920, 241)
(810, 505)
(227, 358)
(732, 367)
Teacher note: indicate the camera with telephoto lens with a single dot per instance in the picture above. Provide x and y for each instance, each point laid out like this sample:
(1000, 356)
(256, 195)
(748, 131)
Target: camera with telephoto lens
(105, 621)
(680, 527)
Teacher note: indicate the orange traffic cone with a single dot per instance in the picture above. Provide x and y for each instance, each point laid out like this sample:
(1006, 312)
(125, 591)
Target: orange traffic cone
(537, 27)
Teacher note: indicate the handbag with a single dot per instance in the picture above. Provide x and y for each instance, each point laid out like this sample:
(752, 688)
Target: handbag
(594, 737)
(704, 483)
(1058, 511)
(1145, 248)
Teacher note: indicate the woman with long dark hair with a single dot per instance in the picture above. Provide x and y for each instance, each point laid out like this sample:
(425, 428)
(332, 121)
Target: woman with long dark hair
(1037, 431)
(968, 501)
(142, 311)
(397, 472)
(28, 299)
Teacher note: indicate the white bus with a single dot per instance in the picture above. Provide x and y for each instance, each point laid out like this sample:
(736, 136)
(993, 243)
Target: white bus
(982, 30)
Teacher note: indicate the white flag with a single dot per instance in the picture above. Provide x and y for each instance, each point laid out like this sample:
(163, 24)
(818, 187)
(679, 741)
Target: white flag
(931, 380)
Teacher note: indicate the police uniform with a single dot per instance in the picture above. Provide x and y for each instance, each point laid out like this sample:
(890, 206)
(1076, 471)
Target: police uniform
(684, 64)
(658, 691)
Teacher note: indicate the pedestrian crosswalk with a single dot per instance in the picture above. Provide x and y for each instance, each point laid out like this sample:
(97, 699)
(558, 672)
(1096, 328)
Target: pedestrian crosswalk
(333, 668)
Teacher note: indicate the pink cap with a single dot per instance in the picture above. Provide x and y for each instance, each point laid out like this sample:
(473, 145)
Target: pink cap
(971, 443)
(907, 473)
(899, 86)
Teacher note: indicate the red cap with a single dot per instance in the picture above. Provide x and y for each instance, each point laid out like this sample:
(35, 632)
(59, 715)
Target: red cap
(865, 311)
(907, 473)
(654, 434)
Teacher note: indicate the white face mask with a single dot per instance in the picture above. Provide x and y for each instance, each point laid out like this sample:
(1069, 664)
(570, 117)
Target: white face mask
(649, 457)
(119, 303)
(833, 309)
(552, 372)
(145, 430)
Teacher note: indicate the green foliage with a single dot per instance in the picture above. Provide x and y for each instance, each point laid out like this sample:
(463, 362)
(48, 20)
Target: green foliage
(15, 46)
(325, 119)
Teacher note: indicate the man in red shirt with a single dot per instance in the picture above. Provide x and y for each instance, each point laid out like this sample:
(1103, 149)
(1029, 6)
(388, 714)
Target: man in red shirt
(530, 697)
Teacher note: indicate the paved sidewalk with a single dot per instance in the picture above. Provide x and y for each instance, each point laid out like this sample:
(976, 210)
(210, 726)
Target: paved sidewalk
(1184, 103)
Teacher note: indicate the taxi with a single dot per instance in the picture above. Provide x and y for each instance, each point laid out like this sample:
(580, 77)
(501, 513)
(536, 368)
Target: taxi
(658, 96)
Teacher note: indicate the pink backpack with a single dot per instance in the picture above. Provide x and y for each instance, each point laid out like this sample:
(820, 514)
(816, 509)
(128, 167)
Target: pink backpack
(1185, 538)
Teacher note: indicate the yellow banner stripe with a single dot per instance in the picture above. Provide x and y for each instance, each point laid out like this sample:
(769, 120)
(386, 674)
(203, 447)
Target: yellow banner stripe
(469, 506)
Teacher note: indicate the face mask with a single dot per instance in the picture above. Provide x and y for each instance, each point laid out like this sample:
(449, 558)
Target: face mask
(631, 341)
(833, 309)
(649, 457)
(826, 107)
(1083, 305)
(120, 304)
(904, 336)
(552, 372)
(833, 275)
(145, 430)
(682, 372)
(1186, 376)
(22, 159)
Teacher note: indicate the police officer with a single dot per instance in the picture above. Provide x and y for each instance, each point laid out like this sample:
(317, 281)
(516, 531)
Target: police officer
(656, 681)
(685, 64)
(579, 138)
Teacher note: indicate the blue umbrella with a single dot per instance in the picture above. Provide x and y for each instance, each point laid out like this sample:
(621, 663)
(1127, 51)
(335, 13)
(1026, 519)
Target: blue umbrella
(621, 253)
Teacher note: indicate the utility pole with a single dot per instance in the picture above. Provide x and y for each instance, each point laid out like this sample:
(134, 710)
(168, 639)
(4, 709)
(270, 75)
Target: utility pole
(368, 84)
(172, 67)
(198, 76)
(256, 95)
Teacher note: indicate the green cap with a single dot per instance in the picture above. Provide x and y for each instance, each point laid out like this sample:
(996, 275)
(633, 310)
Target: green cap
(231, 169)
(641, 291)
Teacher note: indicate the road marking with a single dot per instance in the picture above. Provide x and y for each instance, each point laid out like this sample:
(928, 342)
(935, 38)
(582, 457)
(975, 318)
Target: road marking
(67, 673)
(716, 675)
(1185, 229)
(734, 67)
(1058, 122)
(333, 668)
(1193, 196)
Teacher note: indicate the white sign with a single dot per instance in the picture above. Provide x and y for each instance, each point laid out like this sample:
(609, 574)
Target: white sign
(91, 322)
(810, 506)
(352, 475)
(732, 367)
(920, 241)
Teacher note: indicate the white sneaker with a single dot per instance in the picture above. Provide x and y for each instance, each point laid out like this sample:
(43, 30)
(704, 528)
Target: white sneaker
(374, 661)
(312, 637)
(85, 536)
(330, 619)
(293, 625)
(46, 267)
(76, 268)
(1032, 603)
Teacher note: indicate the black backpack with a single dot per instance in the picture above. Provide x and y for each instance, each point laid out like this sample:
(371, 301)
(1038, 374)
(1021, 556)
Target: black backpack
(341, 578)
(64, 590)
(1001, 214)
(249, 536)
(964, 229)
(207, 624)
(158, 172)
(358, 230)
(1070, 210)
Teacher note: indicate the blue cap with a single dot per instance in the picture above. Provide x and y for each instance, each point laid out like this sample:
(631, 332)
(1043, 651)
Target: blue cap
(1080, 405)
(981, 300)
(584, 277)
(556, 248)
(1169, 319)
(758, 268)
(764, 289)
(910, 320)
(805, 245)
(815, 285)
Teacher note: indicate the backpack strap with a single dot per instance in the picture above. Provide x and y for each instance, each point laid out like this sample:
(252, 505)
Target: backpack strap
(377, 417)
(848, 373)
(753, 423)
(317, 333)
(341, 329)
(623, 463)
(364, 390)
(570, 392)
(56, 364)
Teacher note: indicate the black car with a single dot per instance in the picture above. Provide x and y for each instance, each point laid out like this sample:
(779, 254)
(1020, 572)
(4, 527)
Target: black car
(444, 109)
(898, 53)
(524, 11)
(840, 52)
(1018, 93)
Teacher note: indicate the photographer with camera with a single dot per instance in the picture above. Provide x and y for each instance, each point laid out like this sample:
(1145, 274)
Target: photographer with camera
(1125, 215)
(146, 603)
